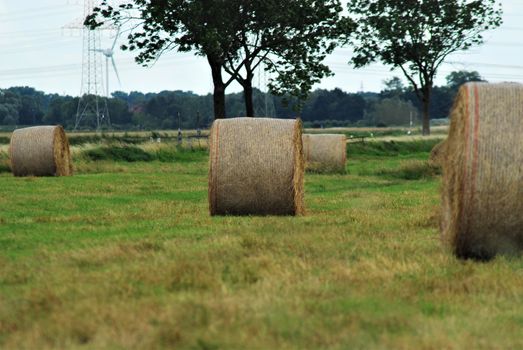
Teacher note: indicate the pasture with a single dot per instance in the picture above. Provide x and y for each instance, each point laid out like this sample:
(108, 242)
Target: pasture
(124, 255)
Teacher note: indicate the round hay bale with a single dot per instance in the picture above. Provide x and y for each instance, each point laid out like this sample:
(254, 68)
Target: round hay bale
(256, 167)
(40, 151)
(325, 153)
(437, 154)
(483, 172)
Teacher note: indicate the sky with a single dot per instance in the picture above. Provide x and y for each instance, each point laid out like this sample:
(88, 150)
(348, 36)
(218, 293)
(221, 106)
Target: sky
(39, 48)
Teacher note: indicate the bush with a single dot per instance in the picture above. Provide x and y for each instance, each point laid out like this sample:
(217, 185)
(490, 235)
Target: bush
(118, 153)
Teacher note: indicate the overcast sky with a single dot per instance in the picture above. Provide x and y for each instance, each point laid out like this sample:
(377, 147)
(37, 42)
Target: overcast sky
(36, 50)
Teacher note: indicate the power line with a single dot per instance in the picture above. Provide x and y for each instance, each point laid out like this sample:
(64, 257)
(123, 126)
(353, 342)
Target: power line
(495, 65)
(485, 64)
(25, 33)
(338, 67)
(509, 28)
(37, 45)
(75, 68)
(38, 70)
(22, 18)
(31, 9)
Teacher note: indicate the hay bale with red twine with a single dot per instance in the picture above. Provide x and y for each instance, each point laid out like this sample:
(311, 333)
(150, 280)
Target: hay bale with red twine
(40, 151)
(256, 167)
(325, 153)
(483, 172)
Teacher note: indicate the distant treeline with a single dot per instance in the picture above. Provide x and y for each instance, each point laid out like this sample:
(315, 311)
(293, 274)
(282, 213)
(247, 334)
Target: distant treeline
(394, 105)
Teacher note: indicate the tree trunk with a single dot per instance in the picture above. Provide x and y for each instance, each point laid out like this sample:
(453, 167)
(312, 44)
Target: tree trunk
(219, 101)
(219, 89)
(247, 95)
(426, 108)
(247, 89)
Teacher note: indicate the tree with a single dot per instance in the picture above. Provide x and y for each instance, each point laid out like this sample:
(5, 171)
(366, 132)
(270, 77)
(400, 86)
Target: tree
(393, 87)
(9, 106)
(119, 111)
(456, 79)
(292, 38)
(417, 35)
(7, 115)
(62, 110)
(30, 112)
(390, 111)
(333, 105)
(207, 27)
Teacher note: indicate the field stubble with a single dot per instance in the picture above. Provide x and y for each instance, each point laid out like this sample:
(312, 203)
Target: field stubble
(125, 255)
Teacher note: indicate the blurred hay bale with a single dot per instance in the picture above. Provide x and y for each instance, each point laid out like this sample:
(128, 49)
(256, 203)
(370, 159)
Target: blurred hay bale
(437, 155)
(256, 167)
(325, 153)
(483, 172)
(40, 151)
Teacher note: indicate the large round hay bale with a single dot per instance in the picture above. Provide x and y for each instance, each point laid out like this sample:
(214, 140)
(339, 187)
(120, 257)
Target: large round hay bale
(40, 151)
(437, 154)
(483, 172)
(256, 167)
(325, 153)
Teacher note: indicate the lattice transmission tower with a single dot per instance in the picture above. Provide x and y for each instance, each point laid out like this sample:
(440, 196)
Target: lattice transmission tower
(92, 109)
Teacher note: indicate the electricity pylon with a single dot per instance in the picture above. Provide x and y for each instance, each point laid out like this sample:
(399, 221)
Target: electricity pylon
(91, 109)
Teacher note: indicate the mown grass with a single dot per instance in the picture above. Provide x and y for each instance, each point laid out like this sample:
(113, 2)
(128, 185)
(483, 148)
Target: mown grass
(125, 255)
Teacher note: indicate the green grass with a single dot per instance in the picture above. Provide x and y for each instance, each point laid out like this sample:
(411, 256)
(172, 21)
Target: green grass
(4, 162)
(129, 153)
(391, 148)
(412, 170)
(118, 153)
(124, 255)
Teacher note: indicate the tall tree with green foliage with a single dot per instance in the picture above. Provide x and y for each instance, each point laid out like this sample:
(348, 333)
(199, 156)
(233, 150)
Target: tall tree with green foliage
(291, 37)
(206, 27)
(393, 87)
(417, 35)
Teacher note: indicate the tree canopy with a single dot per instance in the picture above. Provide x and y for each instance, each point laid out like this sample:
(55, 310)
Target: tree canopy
(458, 78)
(417, 35)
(292, 38)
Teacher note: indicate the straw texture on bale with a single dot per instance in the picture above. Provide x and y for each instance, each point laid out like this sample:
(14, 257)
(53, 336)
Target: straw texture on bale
(483, 172)
(437, 154)
(325, 152)
(256, 167)
(40, 151)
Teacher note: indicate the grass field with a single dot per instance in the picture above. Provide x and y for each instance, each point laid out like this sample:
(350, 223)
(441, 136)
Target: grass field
(124, 255)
